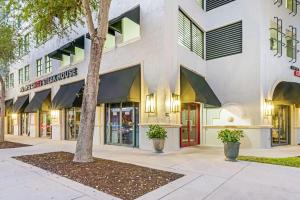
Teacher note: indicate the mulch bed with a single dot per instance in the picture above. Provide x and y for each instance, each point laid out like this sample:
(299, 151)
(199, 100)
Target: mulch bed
(10, 145)
(122, 180)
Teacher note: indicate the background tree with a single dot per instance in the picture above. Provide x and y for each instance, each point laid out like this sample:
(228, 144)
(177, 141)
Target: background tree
(8, 44)
(50, 17)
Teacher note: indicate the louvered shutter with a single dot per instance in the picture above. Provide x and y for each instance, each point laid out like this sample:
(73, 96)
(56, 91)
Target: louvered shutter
(184, 30)
(212, 4)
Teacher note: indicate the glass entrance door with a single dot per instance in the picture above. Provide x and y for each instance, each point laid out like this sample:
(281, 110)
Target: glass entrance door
(121, 124)
(24, 124)
(190, 129)
(45, 124)
(281, 125)
(72, 123)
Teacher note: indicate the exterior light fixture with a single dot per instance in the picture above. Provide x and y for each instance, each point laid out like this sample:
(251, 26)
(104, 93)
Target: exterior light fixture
(14, 116)
(175, 103)
(54, 116)
(269, 108)
(150, 103)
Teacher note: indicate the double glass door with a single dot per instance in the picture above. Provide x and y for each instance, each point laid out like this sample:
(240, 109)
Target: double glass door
(72, 123)
(45, 129)
(24, 129)
(190, 129)
(281, 125)
(122, 124)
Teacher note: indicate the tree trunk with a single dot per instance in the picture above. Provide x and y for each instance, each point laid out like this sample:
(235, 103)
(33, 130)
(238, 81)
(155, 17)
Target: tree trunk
(2, 109)
(84, 146)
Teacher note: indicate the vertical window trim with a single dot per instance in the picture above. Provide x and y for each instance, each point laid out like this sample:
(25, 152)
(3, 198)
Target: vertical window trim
(21, 76)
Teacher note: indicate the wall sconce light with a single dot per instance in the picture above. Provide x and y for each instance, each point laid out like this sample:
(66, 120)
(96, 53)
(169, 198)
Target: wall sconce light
(150, 103)
(175, 103)
(14, 116)
(269, 108)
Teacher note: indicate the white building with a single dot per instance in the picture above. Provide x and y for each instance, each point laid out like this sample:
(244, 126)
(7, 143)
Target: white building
(194, 67)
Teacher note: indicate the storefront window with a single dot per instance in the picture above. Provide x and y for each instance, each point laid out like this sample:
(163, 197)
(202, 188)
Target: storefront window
(24, 128)
(122, 124)
(72, 123)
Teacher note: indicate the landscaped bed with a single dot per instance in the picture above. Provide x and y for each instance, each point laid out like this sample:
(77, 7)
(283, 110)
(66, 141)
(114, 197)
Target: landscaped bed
(122, 180)
(291, 161)
(10, 145)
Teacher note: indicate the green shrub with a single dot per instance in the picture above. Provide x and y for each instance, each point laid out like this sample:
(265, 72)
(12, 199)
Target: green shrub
(156, 132)
(227, 135)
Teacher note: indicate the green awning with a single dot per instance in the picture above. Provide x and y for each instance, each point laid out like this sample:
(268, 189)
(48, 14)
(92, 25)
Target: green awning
(69, 95)
(37, 101)
(116, 87)
(20, 104)
(194, 88)
(133, 14)
(287, 93)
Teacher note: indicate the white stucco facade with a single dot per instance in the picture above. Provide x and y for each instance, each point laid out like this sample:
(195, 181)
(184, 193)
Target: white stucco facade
(242, 81)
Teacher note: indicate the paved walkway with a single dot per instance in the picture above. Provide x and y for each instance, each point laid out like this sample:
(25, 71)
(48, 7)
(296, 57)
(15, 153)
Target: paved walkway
(208, 176)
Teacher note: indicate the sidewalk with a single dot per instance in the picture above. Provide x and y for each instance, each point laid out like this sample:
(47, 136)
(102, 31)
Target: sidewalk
(208, 176)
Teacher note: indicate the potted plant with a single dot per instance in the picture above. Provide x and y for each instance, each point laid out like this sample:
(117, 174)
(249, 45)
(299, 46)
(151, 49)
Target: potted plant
(231, 140)
(158, 136)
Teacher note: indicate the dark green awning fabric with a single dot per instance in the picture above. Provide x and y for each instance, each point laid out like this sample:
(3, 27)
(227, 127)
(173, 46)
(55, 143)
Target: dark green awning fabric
(115, 87)
(20, 104)
(67, 95)
(287, 92)
(37, 101)
(203, 92)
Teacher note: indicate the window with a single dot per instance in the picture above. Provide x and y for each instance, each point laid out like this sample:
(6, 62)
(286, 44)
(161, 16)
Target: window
(130, 29)
(26, 73)
(291, 44)
(190, 35)
(200, 3)
(276, 36)
(21, 76)
(79, 55)
(6, 82)
(20, 45)
(66, 60)
(11, 80)
(48, 65)
(26, 42)
(224, 41)
(110, 41)
(39, 69)
(291, 5)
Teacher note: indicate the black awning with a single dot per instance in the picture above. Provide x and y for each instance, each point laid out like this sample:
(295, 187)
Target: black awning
(57, 55)
(67, 95)
(202, 91)
(115, 87)
(133, 14)
(20, 104)
(287, 92)
(37, 101)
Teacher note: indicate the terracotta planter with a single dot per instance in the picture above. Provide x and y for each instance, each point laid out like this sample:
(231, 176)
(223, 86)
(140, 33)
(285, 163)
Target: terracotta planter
(158, 145)
(231, 150)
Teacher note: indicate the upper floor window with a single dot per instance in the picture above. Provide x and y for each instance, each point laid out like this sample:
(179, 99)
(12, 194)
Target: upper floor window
(212, 4)
(291, 44)
(66, 60)
(11, 80)
(200, 3)
(190, 35)
(27, 42)
(110, 41)
(292, 6)
(21, 76)
(6, 82)
(276, 36)
(39, 67)
(78, 56)
(48, 65)
(26, 73)
(20, 47)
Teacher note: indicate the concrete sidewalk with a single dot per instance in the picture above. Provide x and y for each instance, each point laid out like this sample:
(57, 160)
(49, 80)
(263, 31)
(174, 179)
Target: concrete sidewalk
(208, 176)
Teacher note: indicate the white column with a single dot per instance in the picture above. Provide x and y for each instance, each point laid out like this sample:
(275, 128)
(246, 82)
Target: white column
(16, 123)
(97, 139)
(57, 124)
(33, 125)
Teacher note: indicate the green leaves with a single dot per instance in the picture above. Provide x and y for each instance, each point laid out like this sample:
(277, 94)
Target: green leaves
(227, 135)
(157, 132)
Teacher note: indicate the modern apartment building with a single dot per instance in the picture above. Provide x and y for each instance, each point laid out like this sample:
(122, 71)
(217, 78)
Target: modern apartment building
(192, 66)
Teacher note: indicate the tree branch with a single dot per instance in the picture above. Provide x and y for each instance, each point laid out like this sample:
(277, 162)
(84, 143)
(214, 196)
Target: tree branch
(89, 17)
(103, 15)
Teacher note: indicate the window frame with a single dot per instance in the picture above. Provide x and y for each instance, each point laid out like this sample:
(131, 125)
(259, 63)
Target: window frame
(48, 65)
(39, 67)
(27, 42)
(21, 76)
(11, 80)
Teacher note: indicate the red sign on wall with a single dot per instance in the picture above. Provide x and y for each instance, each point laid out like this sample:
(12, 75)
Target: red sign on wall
(297, 73)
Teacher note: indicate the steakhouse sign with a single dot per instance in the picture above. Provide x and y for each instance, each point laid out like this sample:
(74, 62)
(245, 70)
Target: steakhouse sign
(57, 77)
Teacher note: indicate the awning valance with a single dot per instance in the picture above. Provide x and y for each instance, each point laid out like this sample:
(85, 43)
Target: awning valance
(20, 104)
(118, 87)
(287, 92)
(37, 101)
(68, 95)
(195, 88)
